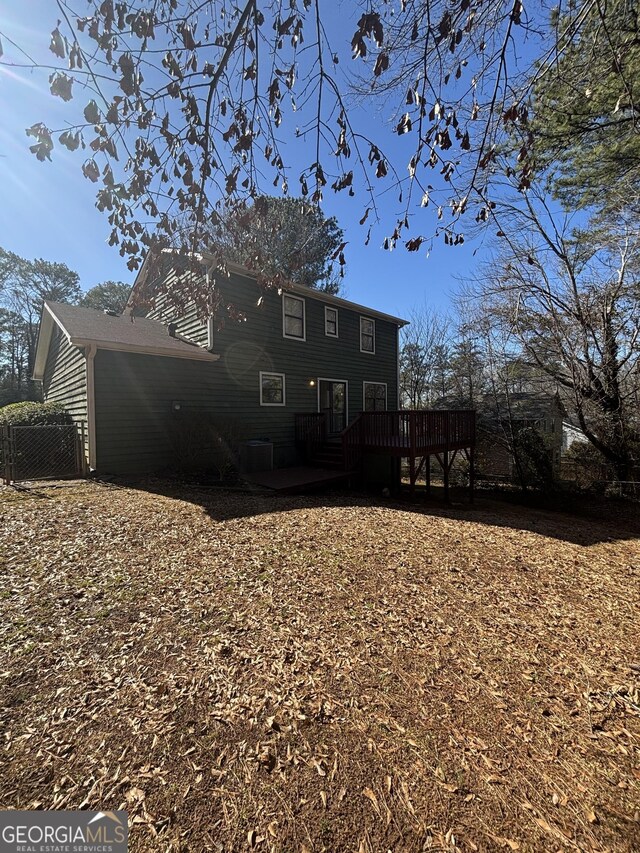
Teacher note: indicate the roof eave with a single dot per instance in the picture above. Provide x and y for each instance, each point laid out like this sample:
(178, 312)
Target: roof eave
(208, 259)
(196, 354)
(329, 298)
(45, 329)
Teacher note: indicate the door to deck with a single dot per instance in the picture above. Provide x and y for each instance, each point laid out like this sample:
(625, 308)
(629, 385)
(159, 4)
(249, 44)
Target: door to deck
(333, 404)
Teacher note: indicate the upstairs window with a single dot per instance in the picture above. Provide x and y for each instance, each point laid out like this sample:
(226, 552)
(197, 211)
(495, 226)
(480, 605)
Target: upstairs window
(293, 317)
(331, 322)
(375, 396)
(367, 335)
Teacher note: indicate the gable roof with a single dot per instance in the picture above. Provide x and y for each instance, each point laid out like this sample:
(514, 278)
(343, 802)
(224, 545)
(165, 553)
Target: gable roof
(211, 262)
(85, 327)
(532, 405)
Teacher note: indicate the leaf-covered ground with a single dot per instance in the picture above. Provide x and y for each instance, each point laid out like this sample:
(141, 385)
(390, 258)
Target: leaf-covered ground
(242, 671)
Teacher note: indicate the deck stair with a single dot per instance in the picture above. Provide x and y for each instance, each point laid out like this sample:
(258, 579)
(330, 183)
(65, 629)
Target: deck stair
(328, 454)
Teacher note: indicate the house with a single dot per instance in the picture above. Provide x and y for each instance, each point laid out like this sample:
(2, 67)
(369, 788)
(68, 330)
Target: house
(544, 412)
(571, 434)
(132, 379)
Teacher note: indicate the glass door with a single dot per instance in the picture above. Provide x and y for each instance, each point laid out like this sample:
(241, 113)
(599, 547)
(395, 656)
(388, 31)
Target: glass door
(333, 404)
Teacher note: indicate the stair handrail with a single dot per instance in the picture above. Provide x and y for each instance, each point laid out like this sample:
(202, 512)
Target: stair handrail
(311, 431)
(352, 438)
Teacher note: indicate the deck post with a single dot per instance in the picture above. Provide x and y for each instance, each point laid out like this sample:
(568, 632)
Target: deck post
(397, 474)
(427, 476)
(412, 433)
(445, 472)
(412, 473)
(445, 457)
(472, 473)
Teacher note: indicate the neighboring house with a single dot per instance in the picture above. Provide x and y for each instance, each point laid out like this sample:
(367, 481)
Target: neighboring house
(571, 434)
(298, 351)
(544, 412)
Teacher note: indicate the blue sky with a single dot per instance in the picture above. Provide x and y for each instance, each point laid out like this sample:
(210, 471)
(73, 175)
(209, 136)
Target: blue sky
(48, 209)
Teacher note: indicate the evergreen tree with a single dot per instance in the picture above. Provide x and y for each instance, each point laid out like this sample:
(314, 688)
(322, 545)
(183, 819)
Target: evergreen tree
(283, 239)
(107, 296)
(586, 129)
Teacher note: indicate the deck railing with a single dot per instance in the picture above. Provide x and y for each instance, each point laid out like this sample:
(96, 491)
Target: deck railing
(419, 432)
(399, 433)
(352, 444)
(408, 433)
(311, 431)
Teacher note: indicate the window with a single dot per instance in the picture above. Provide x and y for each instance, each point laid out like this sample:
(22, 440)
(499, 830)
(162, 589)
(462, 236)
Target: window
(293, 317)
(272, 389)
(367, 335)
(331, 321)
(375, 396)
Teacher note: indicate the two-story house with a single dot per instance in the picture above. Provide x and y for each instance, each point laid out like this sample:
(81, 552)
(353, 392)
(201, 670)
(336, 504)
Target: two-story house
(295, 351)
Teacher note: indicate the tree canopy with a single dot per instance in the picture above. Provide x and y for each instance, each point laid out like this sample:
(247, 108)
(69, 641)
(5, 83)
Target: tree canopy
(24, 286)
(107, 296)
(587, 112)
(569, 300)
(178, 104)
(285, 239)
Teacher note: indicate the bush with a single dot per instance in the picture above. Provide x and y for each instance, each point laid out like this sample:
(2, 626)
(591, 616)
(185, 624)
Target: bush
(534, 468)
(589, 466)
(459, 474)
(31, 414)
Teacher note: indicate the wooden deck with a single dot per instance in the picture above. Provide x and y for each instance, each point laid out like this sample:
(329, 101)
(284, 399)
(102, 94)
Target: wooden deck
(414, 435)
(401, 445)
(298, 479)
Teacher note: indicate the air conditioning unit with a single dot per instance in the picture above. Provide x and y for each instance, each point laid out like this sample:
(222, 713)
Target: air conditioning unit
(256, 456)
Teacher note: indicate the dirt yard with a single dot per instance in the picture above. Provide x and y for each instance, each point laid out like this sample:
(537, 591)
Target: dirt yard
(320, 673)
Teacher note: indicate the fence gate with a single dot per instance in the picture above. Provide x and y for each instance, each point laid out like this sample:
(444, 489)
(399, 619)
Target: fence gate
(41, 452)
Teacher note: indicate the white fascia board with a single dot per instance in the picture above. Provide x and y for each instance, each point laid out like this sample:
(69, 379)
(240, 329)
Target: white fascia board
(344, 303)
(47, 322)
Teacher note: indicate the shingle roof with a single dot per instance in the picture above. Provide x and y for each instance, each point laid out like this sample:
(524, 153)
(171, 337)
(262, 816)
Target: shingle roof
(90, 326)
(85, 327)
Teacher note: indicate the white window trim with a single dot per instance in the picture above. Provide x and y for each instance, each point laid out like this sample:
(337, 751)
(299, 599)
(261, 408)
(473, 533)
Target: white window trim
(368, 351)
(284, 387)
(211, 332)
(386, 393)
(335, 310)
(304, 318)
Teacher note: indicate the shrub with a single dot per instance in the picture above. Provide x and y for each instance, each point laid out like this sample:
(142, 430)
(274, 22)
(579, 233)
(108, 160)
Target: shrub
(31, 414)
(459, 474)
(592, 470)
(534, 468)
